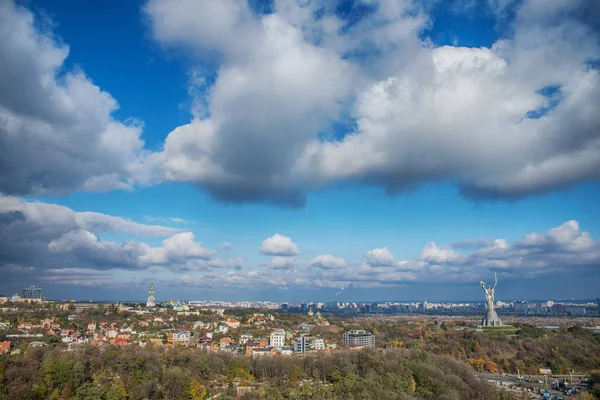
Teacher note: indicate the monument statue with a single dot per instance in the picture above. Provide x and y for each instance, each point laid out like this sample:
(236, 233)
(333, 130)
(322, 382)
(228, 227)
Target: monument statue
(490, 318)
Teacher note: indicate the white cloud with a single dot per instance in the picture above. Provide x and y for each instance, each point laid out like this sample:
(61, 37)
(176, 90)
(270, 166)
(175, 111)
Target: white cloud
(432, 253)
(57, 132)
(327, 261)
(474, 103)
(381, 257)
(175, 249)
(279, 245)
(225, 245)
(252, 140)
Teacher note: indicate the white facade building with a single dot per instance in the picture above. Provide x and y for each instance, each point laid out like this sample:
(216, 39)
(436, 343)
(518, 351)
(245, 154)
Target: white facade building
(277, 339)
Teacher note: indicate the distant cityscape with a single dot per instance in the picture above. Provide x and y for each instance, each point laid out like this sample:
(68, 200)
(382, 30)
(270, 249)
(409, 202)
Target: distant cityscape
(558, 308)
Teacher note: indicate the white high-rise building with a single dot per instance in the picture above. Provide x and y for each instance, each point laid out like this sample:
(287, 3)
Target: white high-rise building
(151, 302)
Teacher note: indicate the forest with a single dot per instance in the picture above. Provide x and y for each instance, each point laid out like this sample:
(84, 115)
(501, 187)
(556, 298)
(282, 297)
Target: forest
(184, 373)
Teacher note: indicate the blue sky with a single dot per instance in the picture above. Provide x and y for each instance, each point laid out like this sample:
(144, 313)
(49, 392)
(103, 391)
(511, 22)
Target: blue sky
(281, 151)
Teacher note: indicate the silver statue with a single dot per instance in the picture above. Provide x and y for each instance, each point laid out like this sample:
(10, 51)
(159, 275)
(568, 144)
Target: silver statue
(490, 318)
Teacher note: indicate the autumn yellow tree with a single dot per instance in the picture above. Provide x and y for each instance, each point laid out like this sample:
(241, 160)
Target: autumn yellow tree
(197, 390)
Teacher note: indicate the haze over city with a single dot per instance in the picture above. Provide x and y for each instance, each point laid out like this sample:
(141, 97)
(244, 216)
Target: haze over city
(282, 150)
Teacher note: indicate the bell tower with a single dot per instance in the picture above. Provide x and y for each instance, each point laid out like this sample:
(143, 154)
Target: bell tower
(151, 301)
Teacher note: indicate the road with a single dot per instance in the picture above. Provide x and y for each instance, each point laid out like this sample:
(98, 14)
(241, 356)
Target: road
(507, 381)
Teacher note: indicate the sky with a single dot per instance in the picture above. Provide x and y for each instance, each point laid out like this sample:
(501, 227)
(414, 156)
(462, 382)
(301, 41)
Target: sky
(283, 150)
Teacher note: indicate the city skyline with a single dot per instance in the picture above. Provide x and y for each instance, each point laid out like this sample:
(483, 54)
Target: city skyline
(291, 150)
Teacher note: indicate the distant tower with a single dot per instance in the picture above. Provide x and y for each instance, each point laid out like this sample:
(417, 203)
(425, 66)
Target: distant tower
(151, 302)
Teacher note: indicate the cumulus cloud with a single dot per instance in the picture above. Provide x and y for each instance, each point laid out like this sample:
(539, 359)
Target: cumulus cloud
(432, 253)
(279, 245)
(327, 261)
(380, 257)
(225, 245)
(176, 249)
(508, 121)
(49, 251)
(57, 133)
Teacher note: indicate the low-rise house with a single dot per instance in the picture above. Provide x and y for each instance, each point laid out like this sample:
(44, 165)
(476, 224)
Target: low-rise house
(232, 323)
(4, 347)
(317, 344)
(223, 328)
(285, 351)
(49, 323)
(179, 336)
(67, 339)
(232, 348)
(127, 329)
(263, 352)
(37, 344)
(25, 326)
(224, 341)
(204, 342)
(245, 338)
(91, 326)
(5, 326)
(111, 333)
(66, 331)
(202, 325)
(119, 342)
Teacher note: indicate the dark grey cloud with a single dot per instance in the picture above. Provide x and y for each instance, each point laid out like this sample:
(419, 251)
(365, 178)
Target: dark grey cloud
(48, 236)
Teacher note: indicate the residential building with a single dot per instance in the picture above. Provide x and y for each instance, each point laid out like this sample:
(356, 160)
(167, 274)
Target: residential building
(261, 352)
(317, 344)
(285, 351)
(277, 338)
(180, 336)
(358, 337)
(4, 347)
(232, 323)
(575, 311)
(245, 338)
(521, 307)
(301, 344)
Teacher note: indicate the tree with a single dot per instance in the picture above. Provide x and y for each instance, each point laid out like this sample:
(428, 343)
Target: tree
(197, 390)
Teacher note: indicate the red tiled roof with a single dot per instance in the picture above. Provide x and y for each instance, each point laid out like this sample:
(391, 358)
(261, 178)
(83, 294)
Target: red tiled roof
(4, 347)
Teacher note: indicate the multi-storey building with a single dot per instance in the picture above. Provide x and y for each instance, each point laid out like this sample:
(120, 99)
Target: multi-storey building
(301, 344)
(32, 293)
(277, 338)
(358, 337)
